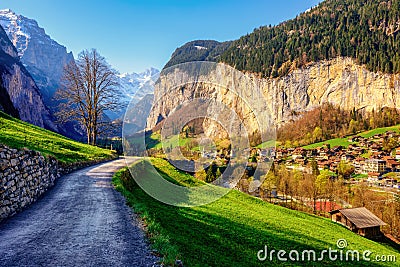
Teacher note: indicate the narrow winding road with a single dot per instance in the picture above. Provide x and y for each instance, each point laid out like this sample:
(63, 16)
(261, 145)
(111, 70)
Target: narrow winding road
(82, 221)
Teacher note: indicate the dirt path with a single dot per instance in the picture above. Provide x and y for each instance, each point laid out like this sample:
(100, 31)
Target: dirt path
(82, 221)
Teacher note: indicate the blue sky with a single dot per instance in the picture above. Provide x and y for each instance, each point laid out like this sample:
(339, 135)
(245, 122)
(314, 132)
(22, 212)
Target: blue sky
(134, 35)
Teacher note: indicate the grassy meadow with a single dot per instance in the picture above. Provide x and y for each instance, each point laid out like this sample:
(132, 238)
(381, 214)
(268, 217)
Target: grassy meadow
(18, 134)
(230, 231)
(344, 141)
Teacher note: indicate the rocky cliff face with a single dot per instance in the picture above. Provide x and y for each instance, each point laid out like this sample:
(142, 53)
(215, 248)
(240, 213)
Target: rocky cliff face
(19, 87)
(43, 57)
(340, 81)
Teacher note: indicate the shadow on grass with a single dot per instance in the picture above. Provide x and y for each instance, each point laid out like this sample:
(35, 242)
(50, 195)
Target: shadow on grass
(230, 232)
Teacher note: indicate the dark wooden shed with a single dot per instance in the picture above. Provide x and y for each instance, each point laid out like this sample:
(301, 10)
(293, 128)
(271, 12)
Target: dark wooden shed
(360, 221)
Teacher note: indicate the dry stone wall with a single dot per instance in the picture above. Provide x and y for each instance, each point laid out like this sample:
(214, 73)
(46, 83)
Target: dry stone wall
(24, 176)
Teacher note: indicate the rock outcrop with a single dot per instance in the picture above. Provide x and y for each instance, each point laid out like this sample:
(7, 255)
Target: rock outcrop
(43, 57)
(339, 81)
(19, 87)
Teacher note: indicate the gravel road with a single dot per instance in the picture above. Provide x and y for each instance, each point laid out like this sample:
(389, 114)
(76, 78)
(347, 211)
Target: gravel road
(82, 221)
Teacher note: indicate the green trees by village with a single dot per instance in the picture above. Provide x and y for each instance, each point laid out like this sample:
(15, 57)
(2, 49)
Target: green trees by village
(366, 30)
(345, 170)
(389, 144)
(329, 121)
(299, 190)
(210, 177)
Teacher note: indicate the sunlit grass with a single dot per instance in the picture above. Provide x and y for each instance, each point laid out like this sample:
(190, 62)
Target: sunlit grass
(344, 141)
(18, 134)
(230, 231)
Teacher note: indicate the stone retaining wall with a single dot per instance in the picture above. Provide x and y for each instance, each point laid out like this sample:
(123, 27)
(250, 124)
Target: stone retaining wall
(25, 175)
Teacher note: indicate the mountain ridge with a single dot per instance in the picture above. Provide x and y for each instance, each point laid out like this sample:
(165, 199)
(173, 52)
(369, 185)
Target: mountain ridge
(22, 97)
(297, 86)
(42, 56)
(44, 59)
(133, 87)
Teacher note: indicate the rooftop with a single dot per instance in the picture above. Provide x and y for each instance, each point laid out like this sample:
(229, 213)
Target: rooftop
(361, 217)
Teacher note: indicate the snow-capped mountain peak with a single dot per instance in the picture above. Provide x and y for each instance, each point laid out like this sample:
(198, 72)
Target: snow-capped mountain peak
(132, 86)
(21, 30)
(43, 57)
(132, 82)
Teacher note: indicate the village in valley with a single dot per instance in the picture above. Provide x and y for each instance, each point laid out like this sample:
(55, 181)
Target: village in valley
(374, 159)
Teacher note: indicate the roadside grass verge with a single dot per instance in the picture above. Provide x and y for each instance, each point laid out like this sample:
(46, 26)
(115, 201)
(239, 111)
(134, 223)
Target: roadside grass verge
(18, 134)
(230, 231)
(158, 237)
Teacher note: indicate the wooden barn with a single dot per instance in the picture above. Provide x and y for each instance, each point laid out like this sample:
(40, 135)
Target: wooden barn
(360, 221)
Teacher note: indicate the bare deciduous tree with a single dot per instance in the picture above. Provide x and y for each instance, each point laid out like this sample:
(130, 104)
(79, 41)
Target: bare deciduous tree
(89, 87)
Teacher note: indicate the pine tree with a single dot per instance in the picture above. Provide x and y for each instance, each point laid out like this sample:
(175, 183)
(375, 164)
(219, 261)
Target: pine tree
(210, 175)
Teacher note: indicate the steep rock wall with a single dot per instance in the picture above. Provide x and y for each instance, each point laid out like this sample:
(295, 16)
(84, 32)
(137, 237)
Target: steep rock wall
(21, 88)
(340, 81)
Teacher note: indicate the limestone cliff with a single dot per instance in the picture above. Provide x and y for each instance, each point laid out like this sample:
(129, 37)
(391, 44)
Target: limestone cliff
(339, 81)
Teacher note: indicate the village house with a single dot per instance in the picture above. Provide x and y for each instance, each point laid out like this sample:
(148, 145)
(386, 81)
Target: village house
(311, 153)
(391, 164)
(298, 153)
(358, 163)
(324, 164)
(347, 157)
(281, 153)
(322, 155)
(375, 148)
(390, 182)
(391, 134)
(360, 221)
(375, 166)
(373, 178)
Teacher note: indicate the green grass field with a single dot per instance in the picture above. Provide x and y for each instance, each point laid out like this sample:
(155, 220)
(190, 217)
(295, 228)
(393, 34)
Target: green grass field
(174, 141)
(373, 132)
(333, 142)
(344, 141)
(230, 231)
(18, 134)
(269, 144)
(153, 141)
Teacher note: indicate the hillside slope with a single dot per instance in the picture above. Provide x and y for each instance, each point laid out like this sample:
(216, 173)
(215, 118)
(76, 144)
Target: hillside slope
(364, 30)
(18, 134)
(341, 52)
(199, 50)
(230, 231)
